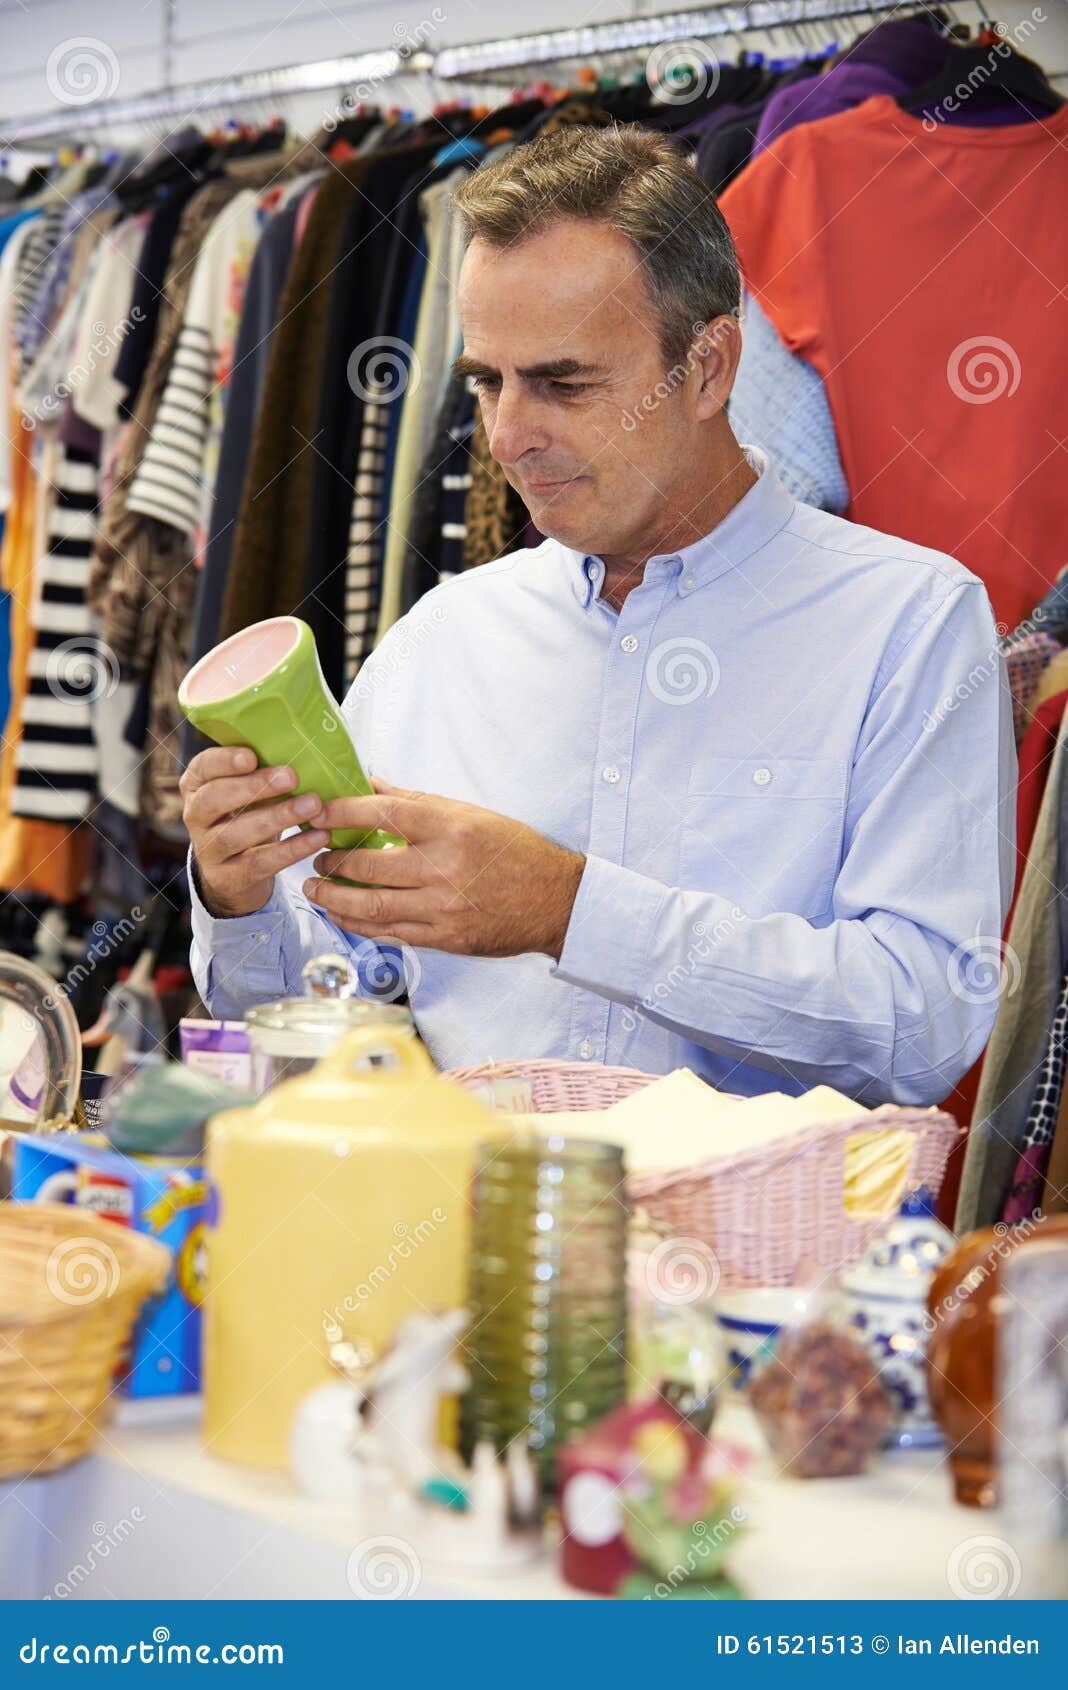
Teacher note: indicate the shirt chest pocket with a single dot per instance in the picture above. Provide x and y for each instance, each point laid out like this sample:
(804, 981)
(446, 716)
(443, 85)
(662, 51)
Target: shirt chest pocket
(765, 832)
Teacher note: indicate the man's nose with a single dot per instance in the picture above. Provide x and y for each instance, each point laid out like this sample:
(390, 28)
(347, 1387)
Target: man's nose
(513, 428)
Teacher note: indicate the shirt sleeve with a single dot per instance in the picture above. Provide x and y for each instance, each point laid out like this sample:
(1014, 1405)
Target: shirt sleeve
(241, 960)
(894, 998)
(778, 402)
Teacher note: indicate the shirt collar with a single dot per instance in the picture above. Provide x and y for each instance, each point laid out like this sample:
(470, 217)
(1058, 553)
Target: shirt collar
(751, 523)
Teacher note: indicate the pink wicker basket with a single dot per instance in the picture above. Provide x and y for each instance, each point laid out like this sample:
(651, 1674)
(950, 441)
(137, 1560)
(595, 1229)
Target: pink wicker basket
(771, 1213)
(767, 1214)
(559, 1085)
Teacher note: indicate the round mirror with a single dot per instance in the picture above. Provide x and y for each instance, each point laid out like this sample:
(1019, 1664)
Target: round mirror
(40, 1048)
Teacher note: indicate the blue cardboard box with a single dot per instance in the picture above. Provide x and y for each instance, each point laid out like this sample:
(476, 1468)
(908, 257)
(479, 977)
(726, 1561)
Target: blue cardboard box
(158, 1195)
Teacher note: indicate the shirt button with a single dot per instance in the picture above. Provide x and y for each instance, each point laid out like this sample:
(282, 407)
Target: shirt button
(586, 1049)
(261, 938)
(761, 777)
(687, 581)
(610, 774)
(629, 643)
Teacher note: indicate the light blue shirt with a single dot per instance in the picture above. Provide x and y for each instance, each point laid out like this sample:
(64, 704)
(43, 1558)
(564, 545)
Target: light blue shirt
(789, 761)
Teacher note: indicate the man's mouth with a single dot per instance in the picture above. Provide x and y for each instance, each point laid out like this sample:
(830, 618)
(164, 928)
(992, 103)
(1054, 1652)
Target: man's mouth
(547, 488)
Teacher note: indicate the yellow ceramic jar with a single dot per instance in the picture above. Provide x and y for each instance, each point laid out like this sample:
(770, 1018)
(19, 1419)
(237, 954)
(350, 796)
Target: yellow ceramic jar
(340, 1200)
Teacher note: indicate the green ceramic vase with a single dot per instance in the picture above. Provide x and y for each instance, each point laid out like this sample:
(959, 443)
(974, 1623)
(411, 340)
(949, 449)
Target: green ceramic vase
(264, 688)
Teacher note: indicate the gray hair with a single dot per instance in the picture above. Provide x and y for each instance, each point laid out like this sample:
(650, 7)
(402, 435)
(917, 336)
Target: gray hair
(635, 180)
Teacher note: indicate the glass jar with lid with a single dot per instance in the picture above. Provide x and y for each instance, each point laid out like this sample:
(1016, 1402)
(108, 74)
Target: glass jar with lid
(289, 1036)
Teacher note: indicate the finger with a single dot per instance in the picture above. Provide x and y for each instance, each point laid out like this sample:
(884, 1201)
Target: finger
(398, 865)
(268, 860)
(258, 826)
(380, 907)
(213, 764)
(218, 798)
(381, 785)
(414, 819)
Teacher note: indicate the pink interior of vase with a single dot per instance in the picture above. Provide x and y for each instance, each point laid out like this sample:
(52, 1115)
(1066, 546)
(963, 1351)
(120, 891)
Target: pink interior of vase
(241, 661)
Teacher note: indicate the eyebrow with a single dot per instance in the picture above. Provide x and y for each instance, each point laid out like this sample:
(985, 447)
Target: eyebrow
(554, 370)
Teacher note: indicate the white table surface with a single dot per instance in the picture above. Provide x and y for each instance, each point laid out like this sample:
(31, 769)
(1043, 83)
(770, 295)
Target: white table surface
(148, 1514)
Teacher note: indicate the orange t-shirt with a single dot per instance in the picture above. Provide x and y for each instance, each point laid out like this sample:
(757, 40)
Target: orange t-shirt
(920, 272)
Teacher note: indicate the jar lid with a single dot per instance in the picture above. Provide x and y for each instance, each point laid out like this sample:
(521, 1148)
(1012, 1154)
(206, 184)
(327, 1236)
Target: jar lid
(312, 1025)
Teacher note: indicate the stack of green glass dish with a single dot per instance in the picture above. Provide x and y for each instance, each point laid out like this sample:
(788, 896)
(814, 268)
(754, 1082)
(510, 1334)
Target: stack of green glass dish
(546, 1346)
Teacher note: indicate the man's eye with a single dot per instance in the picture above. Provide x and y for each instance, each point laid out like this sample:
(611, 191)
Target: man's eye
(484, 384)
(569, 387)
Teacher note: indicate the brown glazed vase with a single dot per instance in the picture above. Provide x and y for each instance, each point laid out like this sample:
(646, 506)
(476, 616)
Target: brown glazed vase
(965, 1303)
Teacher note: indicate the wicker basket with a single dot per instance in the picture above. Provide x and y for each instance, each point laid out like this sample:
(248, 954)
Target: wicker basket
(766, 1214)
(71, 1287)
(559, 1085)
(769, 1213)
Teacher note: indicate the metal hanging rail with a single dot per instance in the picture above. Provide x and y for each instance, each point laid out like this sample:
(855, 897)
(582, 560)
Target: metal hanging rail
(732, 17)
(591, 40)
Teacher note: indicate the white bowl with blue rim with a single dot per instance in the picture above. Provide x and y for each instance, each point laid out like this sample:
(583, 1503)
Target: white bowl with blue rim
(751, 1321)
(887, 1294)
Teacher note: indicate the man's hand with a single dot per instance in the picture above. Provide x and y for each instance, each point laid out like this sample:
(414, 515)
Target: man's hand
(468, 880)
(234, 827)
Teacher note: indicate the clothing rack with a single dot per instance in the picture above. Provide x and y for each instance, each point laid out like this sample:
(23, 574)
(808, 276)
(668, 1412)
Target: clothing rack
(367, 72)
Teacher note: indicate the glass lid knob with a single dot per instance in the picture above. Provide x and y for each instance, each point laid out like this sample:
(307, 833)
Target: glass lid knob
(329, 976)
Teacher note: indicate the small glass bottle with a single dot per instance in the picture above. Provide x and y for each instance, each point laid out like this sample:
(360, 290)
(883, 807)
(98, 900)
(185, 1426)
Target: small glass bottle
(546, 1349)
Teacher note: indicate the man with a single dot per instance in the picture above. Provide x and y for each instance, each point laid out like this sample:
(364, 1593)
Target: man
(709, 777)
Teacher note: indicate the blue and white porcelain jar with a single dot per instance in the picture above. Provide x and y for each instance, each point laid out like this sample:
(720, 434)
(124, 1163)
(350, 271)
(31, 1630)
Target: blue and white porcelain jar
(887, 1292)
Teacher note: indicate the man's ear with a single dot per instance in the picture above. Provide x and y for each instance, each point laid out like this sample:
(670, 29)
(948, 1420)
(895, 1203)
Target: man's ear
(717, 347)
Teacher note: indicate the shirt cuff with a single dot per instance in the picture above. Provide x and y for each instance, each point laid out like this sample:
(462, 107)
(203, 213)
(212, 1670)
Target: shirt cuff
(245, 951)
(610, 934)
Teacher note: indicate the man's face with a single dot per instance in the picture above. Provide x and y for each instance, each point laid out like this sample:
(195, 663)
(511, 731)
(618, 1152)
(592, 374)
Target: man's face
(590, 428)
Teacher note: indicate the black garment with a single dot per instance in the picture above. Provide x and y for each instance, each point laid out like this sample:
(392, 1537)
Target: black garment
(727, 149)
(136, 350)
(361, 311)
(436, 534)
